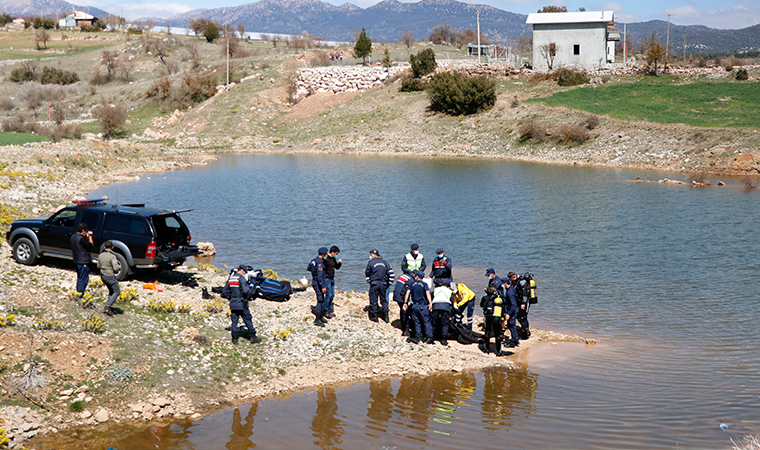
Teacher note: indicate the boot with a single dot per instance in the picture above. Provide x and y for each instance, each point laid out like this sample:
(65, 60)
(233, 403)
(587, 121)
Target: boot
(373, 317)
(319, 322)
(385, 316)
(235, 340)
(255, 339)
(205, 295)
(429, 341)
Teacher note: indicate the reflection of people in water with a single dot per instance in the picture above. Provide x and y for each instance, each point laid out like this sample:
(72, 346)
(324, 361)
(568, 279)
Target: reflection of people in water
(503, 392)
(325, 425)
(379, 408)
(240, 438)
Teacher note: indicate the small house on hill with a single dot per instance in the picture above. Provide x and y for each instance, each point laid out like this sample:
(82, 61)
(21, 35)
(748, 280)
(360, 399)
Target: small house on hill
(77, 19)
(583, 40)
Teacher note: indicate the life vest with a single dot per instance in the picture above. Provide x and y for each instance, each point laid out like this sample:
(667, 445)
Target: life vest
(439, 268)
(463, 295)
(442, 298)
(413, 263)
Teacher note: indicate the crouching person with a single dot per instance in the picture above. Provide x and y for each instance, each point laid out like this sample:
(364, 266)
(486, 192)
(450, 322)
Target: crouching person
(236, 290)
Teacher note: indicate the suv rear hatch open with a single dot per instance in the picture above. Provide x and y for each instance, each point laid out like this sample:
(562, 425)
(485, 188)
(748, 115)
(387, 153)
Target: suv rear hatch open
(172, 237)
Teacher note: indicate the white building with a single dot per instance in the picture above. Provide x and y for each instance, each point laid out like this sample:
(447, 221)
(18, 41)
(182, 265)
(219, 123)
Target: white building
(579, 40)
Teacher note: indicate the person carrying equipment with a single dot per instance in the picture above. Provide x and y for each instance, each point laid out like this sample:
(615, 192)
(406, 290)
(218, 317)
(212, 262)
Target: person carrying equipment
(441, 310)
(525, 289)
(317, 269)
(379, 276)
(418, 296)
(399, 291)
(414, 260)
(237, 291)
(441, 273)
(493, 311)
(464, 300)
(510, 304)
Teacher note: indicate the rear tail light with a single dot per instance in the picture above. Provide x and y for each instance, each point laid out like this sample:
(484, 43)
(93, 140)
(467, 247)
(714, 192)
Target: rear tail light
(150, 252)
(189, 238)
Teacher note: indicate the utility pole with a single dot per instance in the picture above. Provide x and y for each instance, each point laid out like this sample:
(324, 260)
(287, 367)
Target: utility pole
(479, 37)
(667, 42)
(625, 45)
(227, 37)
(684, 45)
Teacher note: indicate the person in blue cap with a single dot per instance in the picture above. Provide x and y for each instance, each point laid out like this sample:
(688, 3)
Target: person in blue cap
(418, 299)
(237, 291)
(317, 269)
(441, 272)
(379, 276)
(510, 305)
(414, 260)
(494, 282)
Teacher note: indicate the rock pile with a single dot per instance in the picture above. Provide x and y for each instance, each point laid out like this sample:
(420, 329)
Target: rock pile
(19, 424)
(158, 407)
(491, 70)
(342, 79)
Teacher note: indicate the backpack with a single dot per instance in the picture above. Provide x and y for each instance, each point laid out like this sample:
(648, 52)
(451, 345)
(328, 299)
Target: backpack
(525, 288)
(273, 290)
(491, 304)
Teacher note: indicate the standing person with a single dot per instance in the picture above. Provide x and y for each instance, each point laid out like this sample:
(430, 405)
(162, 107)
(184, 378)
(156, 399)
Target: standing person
(109, 267)
(492, 305)
(237, 290)
(399, 291)
(414, 260)
(494, 282)
(441, 272)
(379, 276)
(317, 269)
(418, 296)
(523, 289)
(441, 309)
(510, 306)
(81, 246)
(331, 265)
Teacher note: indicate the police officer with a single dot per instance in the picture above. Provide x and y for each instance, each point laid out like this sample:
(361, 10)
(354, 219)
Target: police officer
(237, 291)
(418, 299)
(441, 311)
(379, 276)
(494, 282)
(399, 291)
(510, 306)
(317, 269)
(441, 272)
(414, 260)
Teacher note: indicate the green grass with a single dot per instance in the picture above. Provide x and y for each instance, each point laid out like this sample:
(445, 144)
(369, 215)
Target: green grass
(13, 138)
(657, 99)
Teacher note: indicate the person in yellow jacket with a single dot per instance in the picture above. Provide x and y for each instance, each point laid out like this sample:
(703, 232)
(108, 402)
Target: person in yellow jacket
(464, 300)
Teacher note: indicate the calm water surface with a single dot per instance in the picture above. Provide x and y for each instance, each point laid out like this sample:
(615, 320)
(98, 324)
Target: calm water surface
(665, 276)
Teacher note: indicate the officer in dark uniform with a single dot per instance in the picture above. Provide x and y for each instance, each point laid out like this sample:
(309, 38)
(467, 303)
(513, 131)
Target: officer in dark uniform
(399, 292)
(379, 276)
(494, 282)
(237, 291)
(418, 296)
(317, 269)
(441, 272)
(510, 306)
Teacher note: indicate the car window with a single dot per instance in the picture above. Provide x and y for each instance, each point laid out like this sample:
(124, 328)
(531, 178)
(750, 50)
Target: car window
(64, 218)
(92, 219)
(124, 224)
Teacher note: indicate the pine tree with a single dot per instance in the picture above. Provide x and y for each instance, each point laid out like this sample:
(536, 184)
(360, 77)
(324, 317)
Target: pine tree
(363, 47)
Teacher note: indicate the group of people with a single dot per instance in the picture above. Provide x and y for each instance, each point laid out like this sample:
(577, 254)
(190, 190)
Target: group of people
(427, 307)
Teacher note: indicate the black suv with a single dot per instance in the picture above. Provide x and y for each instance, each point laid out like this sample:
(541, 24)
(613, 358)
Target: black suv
(143, 238)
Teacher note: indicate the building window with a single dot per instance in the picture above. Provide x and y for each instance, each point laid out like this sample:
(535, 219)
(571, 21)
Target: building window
(576, 49)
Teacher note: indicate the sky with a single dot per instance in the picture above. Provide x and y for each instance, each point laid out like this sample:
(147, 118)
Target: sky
(725, 14)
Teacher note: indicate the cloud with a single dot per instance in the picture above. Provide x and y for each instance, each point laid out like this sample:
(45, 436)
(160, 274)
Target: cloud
(620, 14)
(137, 10)
(739, 16)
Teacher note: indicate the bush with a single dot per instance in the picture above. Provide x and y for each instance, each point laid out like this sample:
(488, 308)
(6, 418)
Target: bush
(729, 68)
(26, 71)
(531, 130)
(5, 19)
(412, 85)
(742, 75)
(111, 117)
(573, 134)
(99, 79)
(198, 86)
(570, 78)
(19, 124)
(161, 89)
(6, 104)
(51, 75)
(422, 63)
(700, 176)
(457, 94)
(592, 121)
(211, 33)
(749, 181)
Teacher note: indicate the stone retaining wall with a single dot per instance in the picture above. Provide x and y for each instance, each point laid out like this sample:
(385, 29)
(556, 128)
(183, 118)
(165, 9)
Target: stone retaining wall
(342, 79)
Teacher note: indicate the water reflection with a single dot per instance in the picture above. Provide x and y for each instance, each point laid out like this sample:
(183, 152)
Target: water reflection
(327, 427)
(241, 433)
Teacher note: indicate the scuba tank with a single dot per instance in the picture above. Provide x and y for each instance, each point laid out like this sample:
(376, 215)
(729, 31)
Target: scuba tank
(531, 285)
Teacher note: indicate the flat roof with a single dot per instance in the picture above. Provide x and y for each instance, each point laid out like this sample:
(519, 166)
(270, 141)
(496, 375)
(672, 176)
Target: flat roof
(571, 17)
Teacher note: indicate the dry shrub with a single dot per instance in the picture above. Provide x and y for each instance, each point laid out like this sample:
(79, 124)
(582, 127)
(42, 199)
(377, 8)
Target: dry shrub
(749, 181)
(198, 86)
(319, 58)
(736, 62)
(592, 121)
(699, 176)
(573, 134)
(111, 117)
(538, 77)
(99, 79)
(515, 102)
(531, 130)
(20, 124)
(6, 104)
(57, 113)
(160, 90)
(59, 132)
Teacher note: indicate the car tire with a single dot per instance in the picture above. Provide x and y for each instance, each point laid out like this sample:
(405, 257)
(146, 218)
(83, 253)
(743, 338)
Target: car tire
(24, 252)
(124, 271)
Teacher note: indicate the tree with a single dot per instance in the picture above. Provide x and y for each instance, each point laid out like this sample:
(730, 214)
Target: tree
(168, 28)
(524, 44)
(198, 25)
(422, 63)
(43, 36)
(387, 59)
(548, 52)
(552, 8)
(241, 30)
(108, 59)
(211, 33)
(654, 51)
(363, 47)
(407, 37)
(111, 117)
(441, 34)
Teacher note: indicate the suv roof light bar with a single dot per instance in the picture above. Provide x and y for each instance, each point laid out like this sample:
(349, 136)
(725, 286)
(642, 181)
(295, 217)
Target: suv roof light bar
(88, 201)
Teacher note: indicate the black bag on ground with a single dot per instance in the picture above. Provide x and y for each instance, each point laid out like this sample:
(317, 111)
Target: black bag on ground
(464, 335)
(273, 290)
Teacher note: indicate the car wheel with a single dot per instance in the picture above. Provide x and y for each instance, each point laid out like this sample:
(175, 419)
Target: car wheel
(24, 252)
(124, 271)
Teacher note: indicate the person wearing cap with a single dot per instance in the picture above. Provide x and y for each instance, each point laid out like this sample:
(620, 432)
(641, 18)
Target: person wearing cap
(494, 282)
(510, 305)
(109, 267)
(317, 269)
(331, 265)
(237, 291)
(379, 276)
(417, 298)
(399, 291)
(414, 260)
(441, 311)
(441, 272)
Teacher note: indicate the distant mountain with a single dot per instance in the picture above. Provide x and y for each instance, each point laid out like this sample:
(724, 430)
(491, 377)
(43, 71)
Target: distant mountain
(384, 21)
(48, 8)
